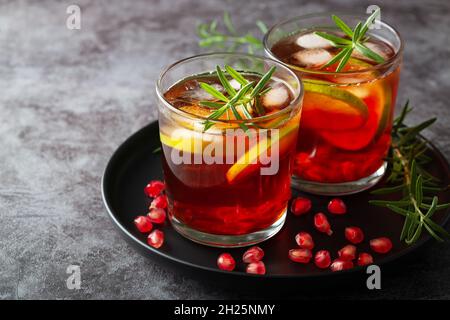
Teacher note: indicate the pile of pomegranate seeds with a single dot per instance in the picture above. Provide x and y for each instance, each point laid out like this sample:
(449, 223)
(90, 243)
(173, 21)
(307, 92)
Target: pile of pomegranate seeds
(346, 255)
(253, 258)
(156, 214)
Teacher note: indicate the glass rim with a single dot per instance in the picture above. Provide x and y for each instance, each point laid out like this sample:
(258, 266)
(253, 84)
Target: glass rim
(292, 105)
(394, 59)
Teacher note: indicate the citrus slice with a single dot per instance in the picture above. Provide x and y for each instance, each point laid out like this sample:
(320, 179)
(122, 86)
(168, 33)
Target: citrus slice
(378, 101)
(185, 140)
(357, 64)
(196, 110)
(330, 108)
(353, 64)
(248, 162)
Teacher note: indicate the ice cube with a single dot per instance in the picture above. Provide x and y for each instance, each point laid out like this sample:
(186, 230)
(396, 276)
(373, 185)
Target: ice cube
(199, 94)
(235, 84)
(313, 41)
(381, 49)
(311, 57)
(276, 98)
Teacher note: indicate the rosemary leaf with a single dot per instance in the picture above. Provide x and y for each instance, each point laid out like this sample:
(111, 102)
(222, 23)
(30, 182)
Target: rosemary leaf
(211, 104)
(334, 39)
(236, 75)
(224, 81)
(341, 24)
(213, 91)
(262, 82)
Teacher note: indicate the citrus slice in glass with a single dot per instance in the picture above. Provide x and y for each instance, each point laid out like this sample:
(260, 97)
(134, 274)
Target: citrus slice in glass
(327, 107)
(248, 162)
(378, 101)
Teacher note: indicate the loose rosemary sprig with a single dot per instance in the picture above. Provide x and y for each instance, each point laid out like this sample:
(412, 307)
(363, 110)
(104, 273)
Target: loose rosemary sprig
(246, 96)
(230, 40)
(357, 39)
(408, 176)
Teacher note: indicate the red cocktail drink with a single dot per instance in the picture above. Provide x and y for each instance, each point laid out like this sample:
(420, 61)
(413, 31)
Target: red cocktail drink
(228, 184)
(347, 115)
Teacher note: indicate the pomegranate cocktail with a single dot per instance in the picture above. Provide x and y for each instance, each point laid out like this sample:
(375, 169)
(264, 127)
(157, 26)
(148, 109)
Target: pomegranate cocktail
(228, 127)
(350, 87)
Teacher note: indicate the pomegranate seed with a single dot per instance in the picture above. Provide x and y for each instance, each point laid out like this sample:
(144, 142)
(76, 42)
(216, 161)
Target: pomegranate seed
(300, 255)
(143, 224)
(159, 202)
(254, 254)
(304, 240)
(156, 238)
(364, 259)
(339, 265)
(321, 223)
(300, 206)
(337, 206)
(322, 259)
(256, 268)
(381, 245)
(226, 262)
(347, 253)
(154, 188)
(157, 215)
(354, 234)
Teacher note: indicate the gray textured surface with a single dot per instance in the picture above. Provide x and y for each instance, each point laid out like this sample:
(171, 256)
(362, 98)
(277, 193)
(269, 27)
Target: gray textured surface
(68, 98)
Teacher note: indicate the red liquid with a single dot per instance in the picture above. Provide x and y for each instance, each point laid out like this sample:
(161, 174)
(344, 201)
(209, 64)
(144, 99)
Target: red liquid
(201, 197)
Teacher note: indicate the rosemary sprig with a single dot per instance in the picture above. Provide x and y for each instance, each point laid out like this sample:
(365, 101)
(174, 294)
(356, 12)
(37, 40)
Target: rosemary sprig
(408, 176)
(246, 96)
(230, 40)
(355, 41)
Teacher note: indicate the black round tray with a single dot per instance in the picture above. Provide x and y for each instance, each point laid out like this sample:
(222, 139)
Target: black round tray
(135, 163)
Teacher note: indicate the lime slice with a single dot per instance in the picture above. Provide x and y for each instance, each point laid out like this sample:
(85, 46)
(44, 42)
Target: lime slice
(357, 64)
(248, 163)
(379, 103)
(326, 107)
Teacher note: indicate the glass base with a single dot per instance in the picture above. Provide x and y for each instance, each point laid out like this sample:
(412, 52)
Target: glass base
(228, 241)
(339, 189)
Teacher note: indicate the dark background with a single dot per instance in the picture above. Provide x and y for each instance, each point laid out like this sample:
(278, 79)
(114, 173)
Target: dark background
(68, 98)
